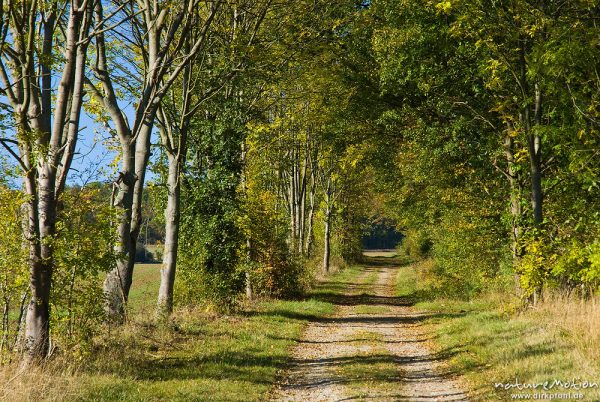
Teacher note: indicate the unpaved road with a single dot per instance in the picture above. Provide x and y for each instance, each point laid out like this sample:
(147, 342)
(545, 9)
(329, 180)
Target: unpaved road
(372, 348)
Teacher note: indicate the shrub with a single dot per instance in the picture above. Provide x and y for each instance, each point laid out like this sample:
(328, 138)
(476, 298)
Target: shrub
(417, 244)
(143, 255)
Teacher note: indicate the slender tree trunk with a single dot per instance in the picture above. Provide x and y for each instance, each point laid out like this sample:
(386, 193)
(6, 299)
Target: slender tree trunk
(302, 204)
(535, 158)
(533, 144)
(249, 289)
(244, 186)
(118, 280)
(293, 232)
(327, 232)
(142, 156)
(172, 220)
(533, 138)
(515, 206)
(311, 215)
(327, 241)
(131, 187)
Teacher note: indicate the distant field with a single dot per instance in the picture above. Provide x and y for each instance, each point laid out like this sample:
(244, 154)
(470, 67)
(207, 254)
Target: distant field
(144, 289)
(380, 253)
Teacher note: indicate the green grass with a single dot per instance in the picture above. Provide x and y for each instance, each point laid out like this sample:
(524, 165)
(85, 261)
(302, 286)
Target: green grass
(144, 288)
(370, 373)
(203, 357)
(366, 309)
(490, 346)
(360, 337)
(198, 356)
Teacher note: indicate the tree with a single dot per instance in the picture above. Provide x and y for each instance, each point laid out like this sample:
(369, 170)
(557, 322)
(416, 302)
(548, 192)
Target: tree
(236, 29)
(43, 43)
(155, 36)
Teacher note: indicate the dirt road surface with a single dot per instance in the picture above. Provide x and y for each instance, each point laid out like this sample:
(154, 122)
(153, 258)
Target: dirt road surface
(372, 348)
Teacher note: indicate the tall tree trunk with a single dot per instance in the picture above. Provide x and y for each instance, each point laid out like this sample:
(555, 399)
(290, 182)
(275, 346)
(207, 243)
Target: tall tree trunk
(535, 158)
(327, 241)
(515, 205)
(41, 109)
(37, 321)
(311, 215)
(531, 127)
(531, 130)
(244, 186)
(118, 280)
(293, 205)
(131, 187)
(172, 220)
(302, 204)
(249, 289)
(327, 232)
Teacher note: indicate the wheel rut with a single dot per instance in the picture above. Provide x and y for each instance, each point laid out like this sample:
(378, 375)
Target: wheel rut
(372, 348)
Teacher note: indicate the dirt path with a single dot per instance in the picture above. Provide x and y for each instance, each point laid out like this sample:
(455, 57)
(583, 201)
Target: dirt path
(372, 348)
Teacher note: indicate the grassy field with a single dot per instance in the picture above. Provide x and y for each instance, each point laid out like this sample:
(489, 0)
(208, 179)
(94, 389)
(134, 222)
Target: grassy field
(489, 344)
(144, 289)
(199, 356)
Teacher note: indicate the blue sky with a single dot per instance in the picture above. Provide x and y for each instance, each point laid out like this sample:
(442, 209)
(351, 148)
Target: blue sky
(92, 160)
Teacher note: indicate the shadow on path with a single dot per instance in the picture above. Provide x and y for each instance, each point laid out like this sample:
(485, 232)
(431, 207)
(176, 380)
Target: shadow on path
(335, 355)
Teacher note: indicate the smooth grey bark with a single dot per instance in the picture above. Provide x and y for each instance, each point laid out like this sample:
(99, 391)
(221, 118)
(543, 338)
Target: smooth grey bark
(165, 28)
(311, 215)
(119, 279)
(535, 158)
(175, 148)
(172, 219)
(327, 231)
(516, 211)
(46, 144)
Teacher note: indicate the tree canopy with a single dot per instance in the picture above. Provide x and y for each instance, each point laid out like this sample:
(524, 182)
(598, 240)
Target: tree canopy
(275, 135)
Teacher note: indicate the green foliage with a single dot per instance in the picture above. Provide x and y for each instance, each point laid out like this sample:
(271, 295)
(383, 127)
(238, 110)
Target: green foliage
(416, 244)
(84, 252)
(467, 256)
(210, 236)
(557, 263)
(273, 269)
(14, 281)
(457, 79)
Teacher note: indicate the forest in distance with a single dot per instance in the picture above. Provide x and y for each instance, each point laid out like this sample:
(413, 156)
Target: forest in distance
(187, 189)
